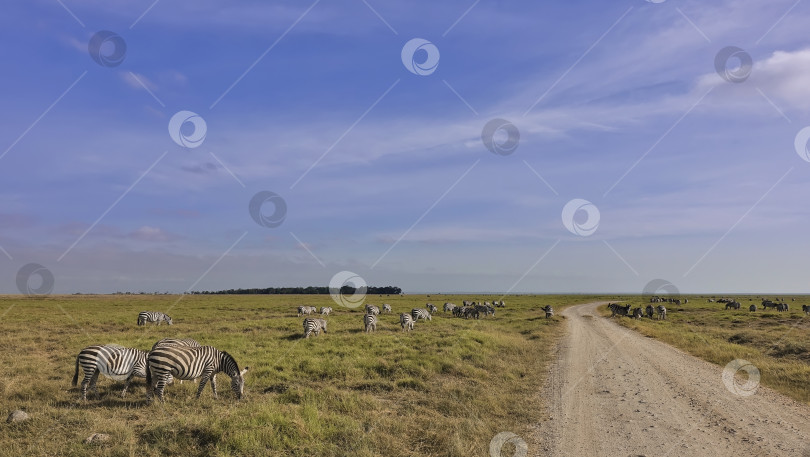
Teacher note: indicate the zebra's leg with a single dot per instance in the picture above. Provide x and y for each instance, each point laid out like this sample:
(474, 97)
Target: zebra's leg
(126, 384)
(214, 385)
(203, 380)
(85, 383)
(161, 384)
(94, 383)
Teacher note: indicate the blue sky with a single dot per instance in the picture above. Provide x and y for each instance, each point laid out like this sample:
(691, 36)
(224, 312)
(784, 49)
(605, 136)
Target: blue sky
(383, 171)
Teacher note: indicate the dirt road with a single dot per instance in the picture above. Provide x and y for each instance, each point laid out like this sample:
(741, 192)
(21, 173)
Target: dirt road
(614, 392)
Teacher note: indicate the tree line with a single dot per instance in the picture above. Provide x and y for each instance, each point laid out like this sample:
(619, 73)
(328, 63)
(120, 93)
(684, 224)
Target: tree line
(311, 290)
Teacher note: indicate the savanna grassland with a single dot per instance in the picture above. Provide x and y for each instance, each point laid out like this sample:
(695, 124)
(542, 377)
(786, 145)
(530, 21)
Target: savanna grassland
(777, 343)
(444, 389)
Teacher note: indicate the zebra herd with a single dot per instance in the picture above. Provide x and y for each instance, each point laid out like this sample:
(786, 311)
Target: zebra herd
(169, 358)
(469, 309)
(637, 313)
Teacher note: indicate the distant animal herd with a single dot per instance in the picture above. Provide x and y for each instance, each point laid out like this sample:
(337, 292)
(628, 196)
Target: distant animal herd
(661, 312)
(187, 359)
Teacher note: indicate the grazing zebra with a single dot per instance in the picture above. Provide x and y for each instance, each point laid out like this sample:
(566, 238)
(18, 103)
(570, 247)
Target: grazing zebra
(113, 361)
(371, 309)
(325, 310)
(662, 312)
(752, 308)
(170, 342)
(431, 307)
(153, 316)
(370, 322)
(549, 311)
(471, 311)
(768, 304)
(312, 325)
(449, 307)
(406, 321)
(781, 307)
(806, 309)
(637, 313)
(619, 309)
(420, 313)
(486, 309)
(466, 303)
(302, 310)
(187, 363)
(386, 308)
(650, 311)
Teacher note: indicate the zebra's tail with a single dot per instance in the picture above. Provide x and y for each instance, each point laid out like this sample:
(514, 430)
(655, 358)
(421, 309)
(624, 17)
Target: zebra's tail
(76, 373)
(148, 376)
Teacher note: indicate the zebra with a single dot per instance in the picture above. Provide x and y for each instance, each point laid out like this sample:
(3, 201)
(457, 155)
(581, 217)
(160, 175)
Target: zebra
(314, 325)
(781, 307)
(406, 321)
(619, 309)
(170, 342)
(767, 303)
(650, 311)
(370, 322)
(153, 316)
(662, 312)
(431, 307)
(471, 311)
(752, 308)
(637, 313)
(420, 313)
(386, 308)
(549, 311)
(325, 310)
(486, 309)
(183, 362)
(448, 307)
(113, 361)
(466, 303)
(302, 310)
(806, 309)
(371, 309)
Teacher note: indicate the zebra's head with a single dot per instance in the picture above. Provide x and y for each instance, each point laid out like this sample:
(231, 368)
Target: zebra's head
(168, 320)
(238, 383)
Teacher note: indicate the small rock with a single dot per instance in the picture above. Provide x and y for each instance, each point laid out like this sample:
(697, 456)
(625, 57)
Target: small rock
(97, 438)
(17, 416)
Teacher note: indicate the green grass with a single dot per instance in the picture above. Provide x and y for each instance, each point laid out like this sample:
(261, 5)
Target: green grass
(444, 389)
(778, 344)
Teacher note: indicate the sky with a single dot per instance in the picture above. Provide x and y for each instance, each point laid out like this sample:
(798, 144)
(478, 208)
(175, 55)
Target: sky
(469, 146)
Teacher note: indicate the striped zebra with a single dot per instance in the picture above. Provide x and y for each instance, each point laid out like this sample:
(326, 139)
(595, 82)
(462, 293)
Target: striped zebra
(325, 310)
(371, 309)
(638, 313)
(370, 322)
(650, 311)
(313, 325)
(662, 312)
(173, 342)
(420, 313)
(448, 307)
(113, 361)
(187, 363)
(386, 308)
(431, 307)
(549, 311)
(806, 309)
(406, 321)
(302, 310)
(153, 316)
